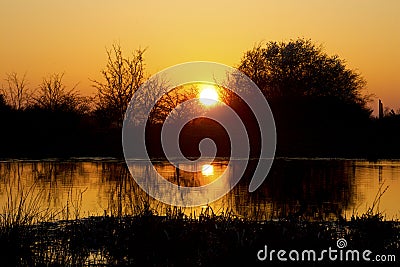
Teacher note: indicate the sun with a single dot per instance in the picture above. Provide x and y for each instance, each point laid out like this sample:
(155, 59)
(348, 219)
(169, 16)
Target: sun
(209, 96)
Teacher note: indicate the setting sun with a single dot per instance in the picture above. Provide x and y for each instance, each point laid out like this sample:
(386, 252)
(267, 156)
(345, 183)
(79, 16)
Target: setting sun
(208, 96)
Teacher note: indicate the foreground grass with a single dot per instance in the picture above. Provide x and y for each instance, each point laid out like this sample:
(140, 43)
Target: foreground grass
(32, 236)
(147, 239)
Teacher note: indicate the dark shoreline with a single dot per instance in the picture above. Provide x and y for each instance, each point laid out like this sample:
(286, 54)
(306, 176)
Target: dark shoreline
(111, 158)
(176, 240)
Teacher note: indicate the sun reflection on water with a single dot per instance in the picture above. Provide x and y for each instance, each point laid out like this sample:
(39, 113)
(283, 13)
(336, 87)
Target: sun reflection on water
(207, 170)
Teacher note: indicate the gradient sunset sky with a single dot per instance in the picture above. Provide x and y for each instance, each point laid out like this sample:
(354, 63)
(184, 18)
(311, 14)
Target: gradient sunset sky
(43, 37)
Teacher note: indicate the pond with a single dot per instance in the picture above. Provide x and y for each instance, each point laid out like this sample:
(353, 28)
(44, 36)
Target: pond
(313, 189)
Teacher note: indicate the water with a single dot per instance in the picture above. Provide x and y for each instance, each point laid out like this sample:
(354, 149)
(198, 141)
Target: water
(315, 189)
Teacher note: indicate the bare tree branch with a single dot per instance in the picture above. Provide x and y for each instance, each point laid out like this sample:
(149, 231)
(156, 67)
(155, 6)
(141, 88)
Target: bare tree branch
(54, 96)
(17, 93)
(121, 78)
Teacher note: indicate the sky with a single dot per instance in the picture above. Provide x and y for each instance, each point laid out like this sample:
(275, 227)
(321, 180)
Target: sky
(41, 37)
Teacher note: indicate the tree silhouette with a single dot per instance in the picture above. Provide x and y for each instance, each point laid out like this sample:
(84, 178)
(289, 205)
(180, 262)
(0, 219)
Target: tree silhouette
(122, 76)
(17, 94)
(3, 104)
(53, 96)
(166, 105)
(318, 103)
(301, 68)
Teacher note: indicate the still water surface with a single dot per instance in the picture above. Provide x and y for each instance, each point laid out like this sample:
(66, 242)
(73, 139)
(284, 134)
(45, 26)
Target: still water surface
(315, 189)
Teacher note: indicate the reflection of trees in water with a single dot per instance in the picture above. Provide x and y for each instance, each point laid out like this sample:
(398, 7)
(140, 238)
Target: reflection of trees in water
(57, 179)
(10, 171)
(50, 182)
(312, 189)
(124, 197)
(295, 188)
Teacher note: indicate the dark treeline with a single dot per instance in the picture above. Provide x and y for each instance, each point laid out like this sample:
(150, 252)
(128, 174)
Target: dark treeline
(319, 106)
(36, 132)
(55, 121)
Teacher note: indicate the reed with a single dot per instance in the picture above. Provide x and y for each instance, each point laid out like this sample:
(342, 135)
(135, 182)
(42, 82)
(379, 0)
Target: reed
(138, 235)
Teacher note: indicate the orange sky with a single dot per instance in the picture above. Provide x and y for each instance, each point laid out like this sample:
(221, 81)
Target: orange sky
(46, 36)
